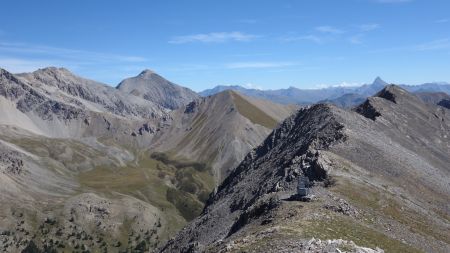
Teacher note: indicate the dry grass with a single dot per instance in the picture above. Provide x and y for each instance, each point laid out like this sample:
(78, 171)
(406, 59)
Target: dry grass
(253, 113)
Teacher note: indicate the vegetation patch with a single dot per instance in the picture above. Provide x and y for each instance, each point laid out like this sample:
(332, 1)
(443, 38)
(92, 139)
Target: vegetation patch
(147, 179)
(178, 163)
(187, 204)
(253, 113)
(382, 203)
(347, 229)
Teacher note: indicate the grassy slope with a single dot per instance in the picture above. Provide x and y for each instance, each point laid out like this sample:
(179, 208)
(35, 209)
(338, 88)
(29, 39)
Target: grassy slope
(299, 221)
(385, 204)
(177, 191)
(177, 187)
(253, 113)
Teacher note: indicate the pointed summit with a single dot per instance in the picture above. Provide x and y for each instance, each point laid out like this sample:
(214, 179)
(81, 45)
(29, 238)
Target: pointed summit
(379, 82)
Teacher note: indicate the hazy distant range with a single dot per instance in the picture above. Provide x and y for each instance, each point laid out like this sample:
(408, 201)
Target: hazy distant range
(341, 96)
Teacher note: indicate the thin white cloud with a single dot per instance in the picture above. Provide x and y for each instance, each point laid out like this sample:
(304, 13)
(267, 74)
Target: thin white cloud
(247, 21)
(253, 86)
(23, 57)
(329, 29)
(313, 38)
(18, 65)
(442, 21)
(340, 85)
(356, 39)
(368, 27)
(258, 65)
(440, 44)
(65, 53)
(216, 37)
(392, 1)
(363, 29)
(434, 45)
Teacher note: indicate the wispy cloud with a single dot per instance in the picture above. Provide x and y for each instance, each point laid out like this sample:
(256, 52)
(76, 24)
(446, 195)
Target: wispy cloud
(18, 65)
(368, 27)
(356, 39)
(442, 21)
(339, 85)
(249, 21)
(258, 65)
(434, 45)
(64, 53)
(216, 37)
(24, 57)
(439, 44)
(325, 34)
(329, 29)
(361, 32)
(392, 1)
(313, 38)
(253, 86)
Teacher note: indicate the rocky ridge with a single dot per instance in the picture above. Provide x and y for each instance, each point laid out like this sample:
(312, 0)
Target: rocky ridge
(392, 145)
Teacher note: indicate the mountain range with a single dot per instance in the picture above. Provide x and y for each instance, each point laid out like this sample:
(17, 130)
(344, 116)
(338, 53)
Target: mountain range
(88, 166)
(152, 166)
(340, 95)
(379, 176)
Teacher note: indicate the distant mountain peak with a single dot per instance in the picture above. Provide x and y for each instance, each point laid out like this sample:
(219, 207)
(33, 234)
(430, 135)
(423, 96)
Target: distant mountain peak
(379, 81)
(146, 73)
(155, 88)
(53, 70)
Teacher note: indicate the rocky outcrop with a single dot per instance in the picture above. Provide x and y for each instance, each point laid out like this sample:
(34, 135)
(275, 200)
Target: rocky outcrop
(11, 162)
(445, 103)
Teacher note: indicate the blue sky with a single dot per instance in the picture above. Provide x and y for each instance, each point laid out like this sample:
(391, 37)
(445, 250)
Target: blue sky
(254, 43)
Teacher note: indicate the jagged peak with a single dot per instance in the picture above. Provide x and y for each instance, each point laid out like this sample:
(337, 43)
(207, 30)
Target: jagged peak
(3, 71)
(379, 81)
(53, 70)
(6, 74)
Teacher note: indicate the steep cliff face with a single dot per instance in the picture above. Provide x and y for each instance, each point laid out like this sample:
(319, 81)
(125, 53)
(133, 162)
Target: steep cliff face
(153, 87)
(380, 178)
